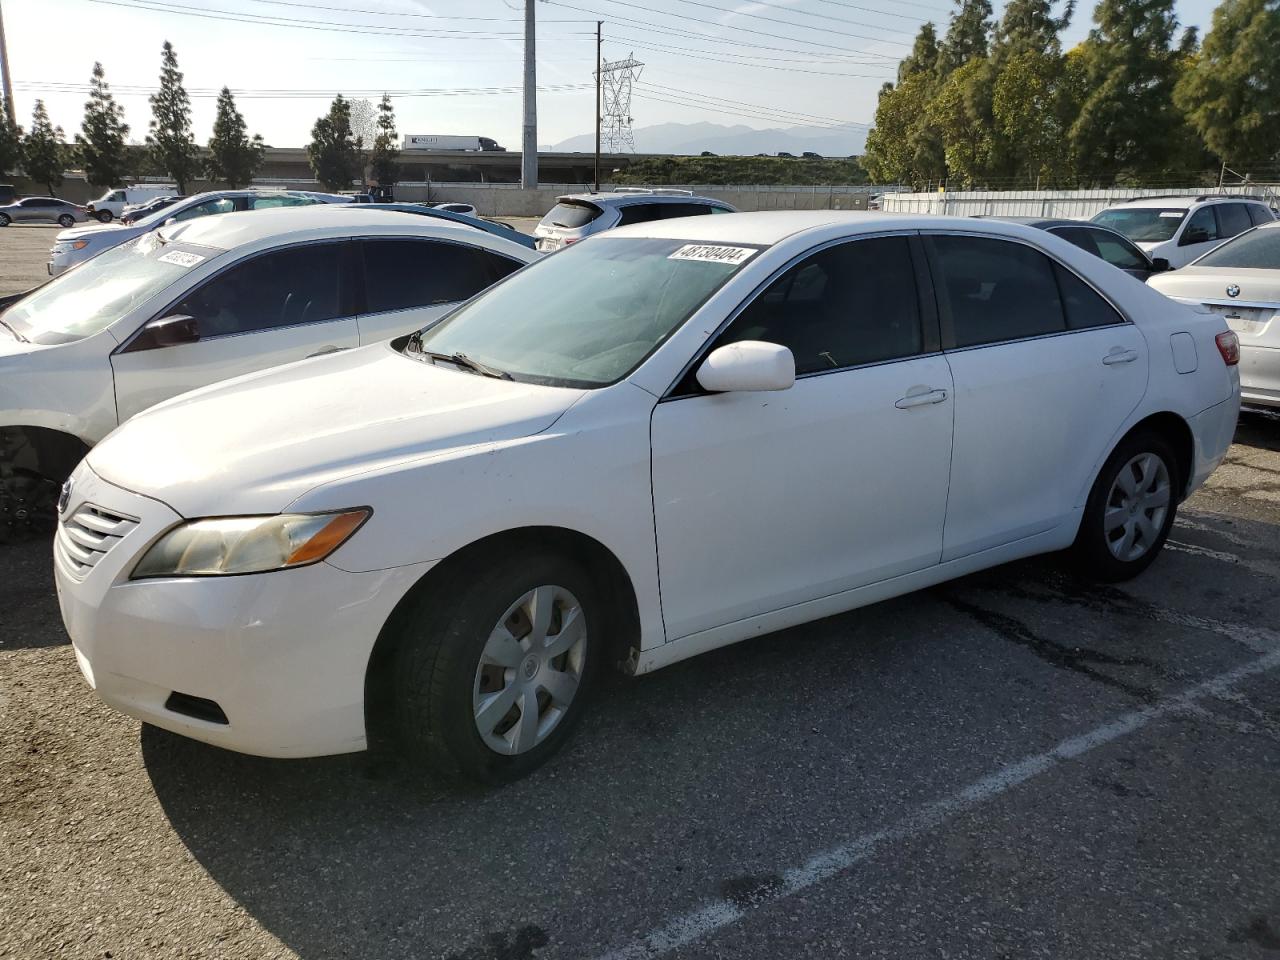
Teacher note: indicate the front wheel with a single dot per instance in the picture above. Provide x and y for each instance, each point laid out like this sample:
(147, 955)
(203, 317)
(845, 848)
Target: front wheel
(104, 216)
(66, 220)
(491, 675)
(5, 220)
(1130, 509)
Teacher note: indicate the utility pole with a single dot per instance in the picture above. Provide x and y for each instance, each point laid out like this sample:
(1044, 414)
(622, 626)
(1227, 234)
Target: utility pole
(4, 75)
(599, 40)
(529, 151)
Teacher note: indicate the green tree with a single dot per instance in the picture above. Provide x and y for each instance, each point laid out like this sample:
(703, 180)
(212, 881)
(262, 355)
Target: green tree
(332, 151)
(101, 141)
(1032, 107)
(384, 163)
(173, 148)
(923, 57)
(968, 36)
(234, 158)
(904, 147)
(1029, 25)
(961, 115)
(10, 141)
(1231, 92)
(44, 156)
(1128, 126)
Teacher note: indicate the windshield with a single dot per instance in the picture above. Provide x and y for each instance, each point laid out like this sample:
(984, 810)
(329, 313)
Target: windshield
(86, 300)
(588, 315)
(571, 215)
(1255, 249)
(1143, 224)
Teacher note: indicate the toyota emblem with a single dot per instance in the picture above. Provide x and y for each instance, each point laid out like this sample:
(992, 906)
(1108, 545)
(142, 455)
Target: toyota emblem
(64, 498)
(1233, 290)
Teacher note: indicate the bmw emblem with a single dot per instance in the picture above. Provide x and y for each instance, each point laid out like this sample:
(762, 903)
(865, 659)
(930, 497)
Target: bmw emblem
(64, 498)
(1233, 290)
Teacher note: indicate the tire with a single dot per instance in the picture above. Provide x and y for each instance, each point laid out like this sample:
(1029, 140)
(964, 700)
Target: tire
(104, 216)
(28, 506)
(66, 221)
(1136, 497)
(5, 220)
(447, 670)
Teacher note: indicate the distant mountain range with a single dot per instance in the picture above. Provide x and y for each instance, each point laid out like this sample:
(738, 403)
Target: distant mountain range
(738, 140)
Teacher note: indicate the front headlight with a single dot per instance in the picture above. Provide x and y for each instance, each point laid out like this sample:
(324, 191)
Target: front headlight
(227, 545)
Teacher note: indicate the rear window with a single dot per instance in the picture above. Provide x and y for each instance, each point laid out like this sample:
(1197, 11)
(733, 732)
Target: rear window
(1260, 214)
(571, 215)
(1257, 249)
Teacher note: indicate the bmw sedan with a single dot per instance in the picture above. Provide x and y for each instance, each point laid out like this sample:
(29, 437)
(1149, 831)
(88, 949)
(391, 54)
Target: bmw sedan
(663, 440)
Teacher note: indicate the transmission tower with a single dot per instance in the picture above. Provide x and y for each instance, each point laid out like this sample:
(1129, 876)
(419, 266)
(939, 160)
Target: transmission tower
(616, 77)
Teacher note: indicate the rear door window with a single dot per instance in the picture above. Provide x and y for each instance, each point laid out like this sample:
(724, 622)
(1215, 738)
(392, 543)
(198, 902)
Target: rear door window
(208, 208)
(1233, 218)
(403, 274)
(1083, 306)
(1114, 249)
(991, 290)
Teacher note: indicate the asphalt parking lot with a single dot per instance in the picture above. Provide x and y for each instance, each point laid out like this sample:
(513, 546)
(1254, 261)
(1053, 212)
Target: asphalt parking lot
(1014, 765)
(24, 251)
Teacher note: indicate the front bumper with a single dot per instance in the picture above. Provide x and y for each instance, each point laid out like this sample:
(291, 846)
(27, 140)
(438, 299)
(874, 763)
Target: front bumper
(283, 654)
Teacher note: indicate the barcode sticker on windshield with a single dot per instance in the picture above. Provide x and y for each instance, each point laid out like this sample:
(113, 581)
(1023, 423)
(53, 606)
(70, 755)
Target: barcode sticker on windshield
(181, 258)
(1173, 213)
(713, 254)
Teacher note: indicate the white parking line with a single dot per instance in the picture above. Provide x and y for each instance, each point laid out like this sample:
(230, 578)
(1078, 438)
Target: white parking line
(1260, 567)
(691, 927)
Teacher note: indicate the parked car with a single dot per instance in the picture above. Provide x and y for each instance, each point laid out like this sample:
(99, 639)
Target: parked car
(495, 227)
(1102, 242)
(1179, 229)
(73, 247)
(114, 202)
(578, 216)
(42, 210)
(213, 298)
(660, 441)
(1240, 281)
(134, 214)
(466, 208)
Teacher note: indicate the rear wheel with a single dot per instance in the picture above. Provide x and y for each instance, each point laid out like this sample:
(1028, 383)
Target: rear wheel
(66, 220)
(5, 220)
(491, 674)
(28, 506)
(1130, 509)
(104, 216)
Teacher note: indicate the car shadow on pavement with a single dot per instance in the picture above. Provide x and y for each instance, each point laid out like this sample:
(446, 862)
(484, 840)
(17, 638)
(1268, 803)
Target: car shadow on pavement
(29, 615)
(1259, 428)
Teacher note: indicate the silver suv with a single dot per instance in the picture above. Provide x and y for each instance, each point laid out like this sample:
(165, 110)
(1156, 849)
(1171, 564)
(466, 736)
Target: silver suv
(577, 216)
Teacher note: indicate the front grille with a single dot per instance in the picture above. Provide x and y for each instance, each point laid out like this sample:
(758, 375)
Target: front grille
(87, 536)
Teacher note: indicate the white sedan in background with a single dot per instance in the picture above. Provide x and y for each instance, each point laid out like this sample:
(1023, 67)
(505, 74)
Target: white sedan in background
(662, 440)
(208, 299)
(1240, 281)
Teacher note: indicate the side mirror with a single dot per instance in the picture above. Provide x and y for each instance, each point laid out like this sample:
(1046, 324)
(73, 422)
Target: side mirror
(746, 366)
(167, 331)
(1160, 265)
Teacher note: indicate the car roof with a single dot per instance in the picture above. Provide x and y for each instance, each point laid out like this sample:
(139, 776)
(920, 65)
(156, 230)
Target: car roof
(230, 230)
(770, 227)
(1182, 202)
(617, 199)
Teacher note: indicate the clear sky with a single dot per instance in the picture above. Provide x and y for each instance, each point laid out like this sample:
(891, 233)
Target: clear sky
(454, 66)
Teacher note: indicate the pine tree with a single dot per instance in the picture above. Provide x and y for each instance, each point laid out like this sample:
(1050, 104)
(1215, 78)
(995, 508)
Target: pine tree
(960, 113)
(969, 35)
(173, 148)
(101, 141)
(332, 150)
(904, 147)
(234, 158)
(1231, 94)
(10, 141)
(44, 156)
(1128, 124)
(1029, 26)
(923, 57)
(386, 146)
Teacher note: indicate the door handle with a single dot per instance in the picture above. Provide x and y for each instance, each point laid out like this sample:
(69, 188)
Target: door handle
(921, 399)
(1120, 356)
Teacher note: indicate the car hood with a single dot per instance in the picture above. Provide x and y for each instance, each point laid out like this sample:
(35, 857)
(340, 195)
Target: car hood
(257, 443)
(101, 230)
(1209, 284)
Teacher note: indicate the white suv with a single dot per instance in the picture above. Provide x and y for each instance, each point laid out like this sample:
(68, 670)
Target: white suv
(1179, 228)
(577, 216)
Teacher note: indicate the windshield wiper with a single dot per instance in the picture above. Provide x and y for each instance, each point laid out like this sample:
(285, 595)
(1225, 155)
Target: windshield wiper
(462, 360)
(17, 336)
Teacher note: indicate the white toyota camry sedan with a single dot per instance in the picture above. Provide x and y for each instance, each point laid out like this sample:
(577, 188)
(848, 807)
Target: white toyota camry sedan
(662, 440)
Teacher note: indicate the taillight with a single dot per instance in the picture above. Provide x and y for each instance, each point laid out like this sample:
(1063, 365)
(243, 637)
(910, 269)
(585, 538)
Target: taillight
(1229, 346)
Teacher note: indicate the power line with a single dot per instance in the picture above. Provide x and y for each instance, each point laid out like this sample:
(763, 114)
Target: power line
(395, 13)
(851, 6)
(760, 106)
(138, 90)
(729, 110)
(688, 54)
(792, 23)
(906, 3)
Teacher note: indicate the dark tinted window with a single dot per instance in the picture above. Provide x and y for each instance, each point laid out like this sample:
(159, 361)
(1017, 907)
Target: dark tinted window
(641, 213)
(1256, 250)
(672, 210)
(1260, 214)
(500, 266)
(996, 290)
(1202, 227)
(571, 215)
(1083, 306)
(1080, 237)
(1119, 252)
(400, 274)
(280, 289)
(846, 305)
(1233, 218)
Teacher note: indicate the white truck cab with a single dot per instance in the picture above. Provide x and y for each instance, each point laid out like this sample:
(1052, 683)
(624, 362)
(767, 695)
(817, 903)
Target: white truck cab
(112, 203)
